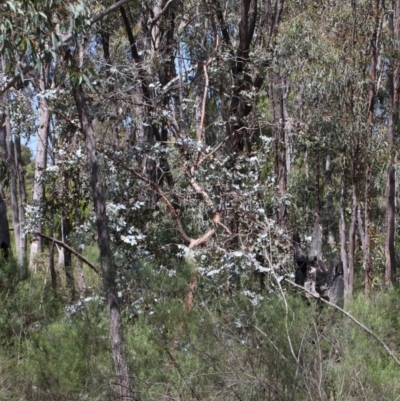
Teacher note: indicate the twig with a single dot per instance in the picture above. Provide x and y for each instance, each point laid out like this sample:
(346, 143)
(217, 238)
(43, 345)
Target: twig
(276, 348)
(365, 328)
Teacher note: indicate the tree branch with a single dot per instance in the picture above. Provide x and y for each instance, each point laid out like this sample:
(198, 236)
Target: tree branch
(65, 246)
(179, 225)
(96, 18)
(102, 14)
(351, 317)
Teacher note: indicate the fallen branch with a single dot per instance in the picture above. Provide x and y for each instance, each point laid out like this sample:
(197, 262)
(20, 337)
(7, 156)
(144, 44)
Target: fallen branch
(370, 332)
(77, 254)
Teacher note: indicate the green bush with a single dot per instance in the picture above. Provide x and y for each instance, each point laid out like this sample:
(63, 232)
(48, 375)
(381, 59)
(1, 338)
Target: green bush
(249, 347)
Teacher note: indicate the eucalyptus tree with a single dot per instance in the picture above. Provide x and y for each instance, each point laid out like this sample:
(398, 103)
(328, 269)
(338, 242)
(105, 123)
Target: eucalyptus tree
(334, 104)
(25, 45)
(393, 89)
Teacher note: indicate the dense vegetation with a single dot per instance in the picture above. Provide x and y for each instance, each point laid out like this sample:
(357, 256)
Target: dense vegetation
(147, 246)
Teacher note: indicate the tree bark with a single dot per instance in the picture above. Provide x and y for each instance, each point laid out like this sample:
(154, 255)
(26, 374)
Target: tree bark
(78, 221)
(40, 166)
(329, 201)
(390, 193)
(278, 119)
(107, 265)
(14, 196)
(66, 231)
(352, 237)
(4, 227)
(373, 54)
(22, 198)
(367, 237)
(342, 234)
(390, 254)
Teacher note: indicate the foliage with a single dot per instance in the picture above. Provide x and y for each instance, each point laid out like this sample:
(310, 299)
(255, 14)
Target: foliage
(215, 130)
(228, 346)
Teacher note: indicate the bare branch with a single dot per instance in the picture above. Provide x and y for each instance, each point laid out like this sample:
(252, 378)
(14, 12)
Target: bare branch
(77, 254)
(102, 14)
(351, 317)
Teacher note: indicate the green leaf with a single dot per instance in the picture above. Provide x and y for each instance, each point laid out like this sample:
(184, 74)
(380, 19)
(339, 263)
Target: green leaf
(54, 40)
(54, 54)
(87, 80)
(23, 44)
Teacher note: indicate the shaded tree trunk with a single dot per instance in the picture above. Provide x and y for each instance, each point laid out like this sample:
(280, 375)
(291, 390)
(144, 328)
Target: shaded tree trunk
(7, 152)
(373, 55)
(329, 201)
(390, 255)
(367, 237)
(390, 193)
(106, 260)
(66, 231)
(278, 119)
(5, 130)
(4, 227)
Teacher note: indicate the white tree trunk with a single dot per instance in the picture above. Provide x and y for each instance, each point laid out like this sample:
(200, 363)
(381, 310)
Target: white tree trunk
(41, 156)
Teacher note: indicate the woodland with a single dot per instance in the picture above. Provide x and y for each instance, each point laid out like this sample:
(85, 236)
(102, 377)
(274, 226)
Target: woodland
(157, 159)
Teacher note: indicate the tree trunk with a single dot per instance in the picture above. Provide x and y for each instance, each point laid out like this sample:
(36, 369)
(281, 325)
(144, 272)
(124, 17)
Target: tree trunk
(4, 228)
(52, 269)
(40, 166)
(390, 255)
(14, 197)
(5, 130)
(390, 193)
(106, 260)
(342, 234)
(278, 119)
(352, 238)
(7, 153)
(373, 54)
(22, 197)
(66, 231)
(79, 265)
(329, 201)
(367, 238)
